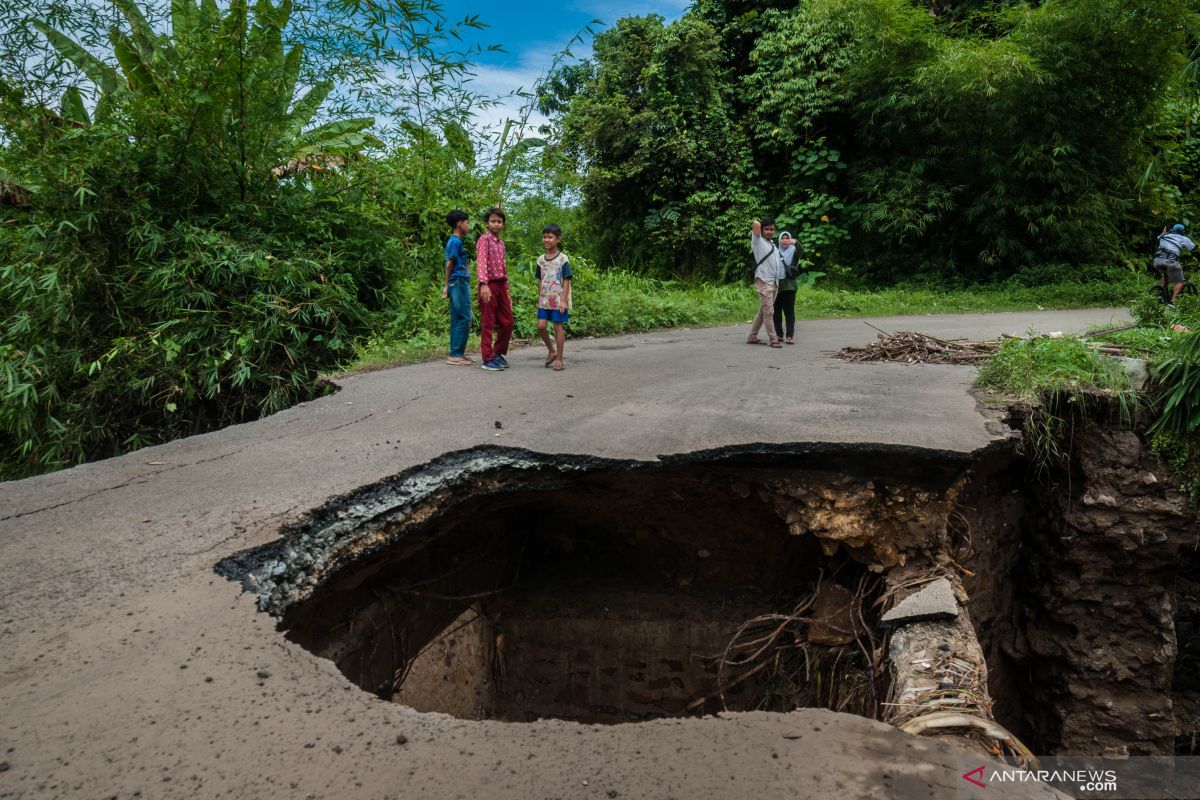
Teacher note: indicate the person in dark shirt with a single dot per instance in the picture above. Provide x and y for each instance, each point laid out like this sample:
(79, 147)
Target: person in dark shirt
(458, 287)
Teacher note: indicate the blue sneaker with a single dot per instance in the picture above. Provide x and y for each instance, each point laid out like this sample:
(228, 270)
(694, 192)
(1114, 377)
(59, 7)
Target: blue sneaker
(492, 365)
(501, 362)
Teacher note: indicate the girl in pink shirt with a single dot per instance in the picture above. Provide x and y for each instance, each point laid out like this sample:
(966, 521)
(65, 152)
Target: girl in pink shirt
(495, 303)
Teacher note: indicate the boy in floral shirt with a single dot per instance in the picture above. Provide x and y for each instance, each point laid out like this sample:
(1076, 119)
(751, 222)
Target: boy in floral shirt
(495, 304)
(554, 294)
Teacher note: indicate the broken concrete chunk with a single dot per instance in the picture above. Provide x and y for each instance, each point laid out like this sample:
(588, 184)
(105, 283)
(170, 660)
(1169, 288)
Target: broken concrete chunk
(935, 601)
(1136, 369)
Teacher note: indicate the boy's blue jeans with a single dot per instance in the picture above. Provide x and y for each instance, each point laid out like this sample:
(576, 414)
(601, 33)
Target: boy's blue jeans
(460, 315)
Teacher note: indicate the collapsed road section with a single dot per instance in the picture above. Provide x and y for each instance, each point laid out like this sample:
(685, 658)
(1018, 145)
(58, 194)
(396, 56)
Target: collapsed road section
(504, 584)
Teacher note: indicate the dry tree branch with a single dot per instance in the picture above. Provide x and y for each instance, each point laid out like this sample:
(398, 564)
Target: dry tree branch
(778, 644)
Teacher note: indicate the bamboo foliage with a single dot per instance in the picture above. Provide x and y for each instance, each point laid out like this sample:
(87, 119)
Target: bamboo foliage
(197, 223)
(230, 68)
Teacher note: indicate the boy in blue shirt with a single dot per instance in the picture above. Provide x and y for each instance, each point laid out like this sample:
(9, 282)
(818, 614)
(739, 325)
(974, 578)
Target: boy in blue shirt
(458, 287)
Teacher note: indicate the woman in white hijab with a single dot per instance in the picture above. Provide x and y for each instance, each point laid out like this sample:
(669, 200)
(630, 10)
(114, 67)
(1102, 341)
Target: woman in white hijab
(785, 298)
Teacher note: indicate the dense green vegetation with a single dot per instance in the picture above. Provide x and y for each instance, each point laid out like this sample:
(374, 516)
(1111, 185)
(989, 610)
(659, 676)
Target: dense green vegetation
(897, 138)
(197, 221)
(206, 205)
(165, 275)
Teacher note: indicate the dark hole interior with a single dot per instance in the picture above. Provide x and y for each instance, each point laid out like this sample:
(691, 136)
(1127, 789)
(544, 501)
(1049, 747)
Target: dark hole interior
(606, 600)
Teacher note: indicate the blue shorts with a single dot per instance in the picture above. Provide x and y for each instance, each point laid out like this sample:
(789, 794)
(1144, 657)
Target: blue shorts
(554, 315)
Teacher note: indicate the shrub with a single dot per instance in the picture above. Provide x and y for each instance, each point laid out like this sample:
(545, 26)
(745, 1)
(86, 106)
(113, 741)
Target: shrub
(1177, 376)
(169, 270)
(222, 324)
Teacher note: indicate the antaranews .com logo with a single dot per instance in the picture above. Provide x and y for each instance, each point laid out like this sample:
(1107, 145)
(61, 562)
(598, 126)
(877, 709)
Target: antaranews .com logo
(1082, 780)
(1084, 777)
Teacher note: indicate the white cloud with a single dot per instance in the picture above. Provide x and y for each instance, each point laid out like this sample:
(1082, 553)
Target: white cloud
(501, 83)
(534, 58)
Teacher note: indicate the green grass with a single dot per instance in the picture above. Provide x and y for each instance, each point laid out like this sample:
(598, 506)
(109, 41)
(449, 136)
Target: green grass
(1048, 373)
(1028, 369)
(900, 301)
(1154, 337)
(1045, 371)
(1143, 342)
(615, 301)
(605, 303)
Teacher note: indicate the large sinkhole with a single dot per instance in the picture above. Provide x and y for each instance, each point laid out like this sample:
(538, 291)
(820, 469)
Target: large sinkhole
(609, 599)
(502, 584)
(518, 588)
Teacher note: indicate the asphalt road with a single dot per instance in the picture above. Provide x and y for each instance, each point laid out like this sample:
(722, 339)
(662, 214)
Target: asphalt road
(113, 622)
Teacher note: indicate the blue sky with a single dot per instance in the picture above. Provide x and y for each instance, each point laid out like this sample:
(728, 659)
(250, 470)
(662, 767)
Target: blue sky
(532, 32)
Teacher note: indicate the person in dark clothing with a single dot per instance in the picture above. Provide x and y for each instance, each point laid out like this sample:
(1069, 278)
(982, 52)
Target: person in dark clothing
(785, 298)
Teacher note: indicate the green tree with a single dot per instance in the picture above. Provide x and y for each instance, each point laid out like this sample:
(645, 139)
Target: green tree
(992, 153)
(650, 131)
(166, 270)
(228, 81)
(961, 140)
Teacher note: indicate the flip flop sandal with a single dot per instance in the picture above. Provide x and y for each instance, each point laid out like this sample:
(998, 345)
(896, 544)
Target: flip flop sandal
(559, 368)
(777, 344)
(549, 362)
(755, 341)
(789, 341)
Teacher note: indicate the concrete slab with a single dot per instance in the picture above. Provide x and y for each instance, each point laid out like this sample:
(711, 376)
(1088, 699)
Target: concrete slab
(127, 665)
(935, 601)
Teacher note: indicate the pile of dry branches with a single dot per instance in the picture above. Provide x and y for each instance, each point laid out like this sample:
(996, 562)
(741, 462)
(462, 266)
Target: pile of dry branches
(911, 347)
(919, 348)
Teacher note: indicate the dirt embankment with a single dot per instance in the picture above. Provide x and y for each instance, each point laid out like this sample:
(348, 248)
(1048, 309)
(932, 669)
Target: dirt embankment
(1098, 587)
